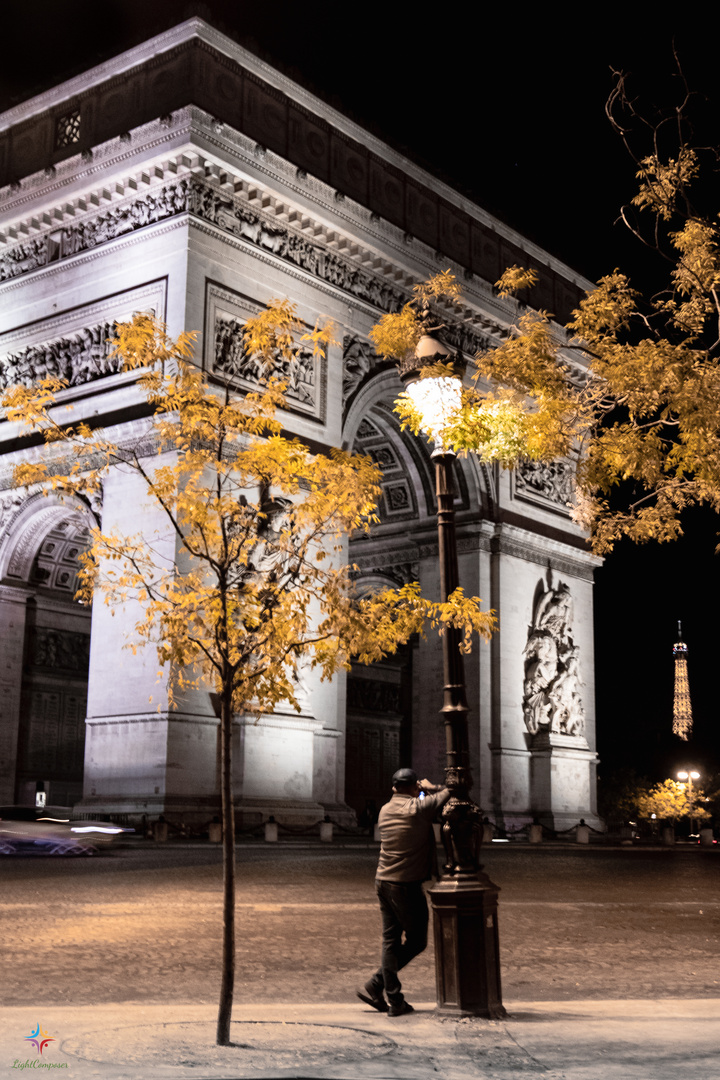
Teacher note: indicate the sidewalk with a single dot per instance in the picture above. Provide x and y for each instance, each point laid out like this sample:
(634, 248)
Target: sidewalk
(568, 1040)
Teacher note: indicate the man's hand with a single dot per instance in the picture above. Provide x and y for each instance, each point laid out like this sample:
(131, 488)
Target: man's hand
(428, 787)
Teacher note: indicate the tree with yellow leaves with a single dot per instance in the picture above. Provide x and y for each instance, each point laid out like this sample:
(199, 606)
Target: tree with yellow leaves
(671, 800)
(644, 427)
(248, 582)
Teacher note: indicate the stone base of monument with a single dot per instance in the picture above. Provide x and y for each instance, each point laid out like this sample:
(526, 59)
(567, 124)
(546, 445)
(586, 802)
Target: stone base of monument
(562, 781)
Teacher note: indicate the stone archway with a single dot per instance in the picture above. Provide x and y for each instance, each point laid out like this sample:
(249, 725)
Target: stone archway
(45, 675)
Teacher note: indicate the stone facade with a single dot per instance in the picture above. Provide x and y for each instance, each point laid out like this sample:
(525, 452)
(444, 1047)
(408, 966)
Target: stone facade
(189, 179)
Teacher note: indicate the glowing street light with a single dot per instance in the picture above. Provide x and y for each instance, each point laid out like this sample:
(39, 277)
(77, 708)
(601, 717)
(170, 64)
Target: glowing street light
(690, 775)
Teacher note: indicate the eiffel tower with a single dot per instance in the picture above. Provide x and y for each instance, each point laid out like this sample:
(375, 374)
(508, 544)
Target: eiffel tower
(682, 708)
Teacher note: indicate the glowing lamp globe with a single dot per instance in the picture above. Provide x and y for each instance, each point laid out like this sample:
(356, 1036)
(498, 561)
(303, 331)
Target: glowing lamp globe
(436, 398)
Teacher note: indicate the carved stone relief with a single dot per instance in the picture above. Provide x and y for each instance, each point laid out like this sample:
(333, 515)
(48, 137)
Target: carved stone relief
(551, 688)
(367, 430)
(78, 358)
(359, 358)
(546, 481)
(92, 231)
(233, 216)
(305, 375)
(59, 649)
(231, 357)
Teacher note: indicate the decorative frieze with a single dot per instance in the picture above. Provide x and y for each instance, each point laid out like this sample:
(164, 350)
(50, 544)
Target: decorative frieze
(92, 231)
(305, 374)
(234, 216)
(62, 650)
(546, 481)
(299, 373)
(371, 695)
(77, 358)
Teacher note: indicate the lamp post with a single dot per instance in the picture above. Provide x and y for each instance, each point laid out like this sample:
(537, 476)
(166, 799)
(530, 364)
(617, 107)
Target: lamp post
(690, 775)
(464, 900)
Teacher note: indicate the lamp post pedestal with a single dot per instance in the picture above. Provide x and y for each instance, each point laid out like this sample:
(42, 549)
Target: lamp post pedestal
(467, 961)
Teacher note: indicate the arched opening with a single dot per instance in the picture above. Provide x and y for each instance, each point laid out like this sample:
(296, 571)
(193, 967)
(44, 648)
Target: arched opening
(47, 670)
(379, 713)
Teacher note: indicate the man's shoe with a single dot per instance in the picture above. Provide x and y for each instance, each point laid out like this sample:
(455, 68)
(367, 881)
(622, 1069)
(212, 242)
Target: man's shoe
(401, 1009)
(377, 1001)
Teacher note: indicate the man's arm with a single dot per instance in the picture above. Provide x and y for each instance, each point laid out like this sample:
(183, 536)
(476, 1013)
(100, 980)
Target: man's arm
(435, 796)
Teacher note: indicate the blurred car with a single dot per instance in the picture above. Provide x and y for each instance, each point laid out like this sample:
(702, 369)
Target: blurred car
(52, 831)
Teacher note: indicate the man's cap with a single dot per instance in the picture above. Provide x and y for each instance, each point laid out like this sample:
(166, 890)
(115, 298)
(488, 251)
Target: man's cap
(404, 776)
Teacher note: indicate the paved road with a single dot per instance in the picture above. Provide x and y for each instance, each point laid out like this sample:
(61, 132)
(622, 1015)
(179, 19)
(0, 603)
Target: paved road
(144, 925)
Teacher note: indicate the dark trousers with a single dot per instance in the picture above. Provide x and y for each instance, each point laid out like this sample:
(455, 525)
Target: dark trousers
(404, 911)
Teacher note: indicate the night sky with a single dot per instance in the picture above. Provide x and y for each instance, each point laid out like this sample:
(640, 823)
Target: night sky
(508, 106)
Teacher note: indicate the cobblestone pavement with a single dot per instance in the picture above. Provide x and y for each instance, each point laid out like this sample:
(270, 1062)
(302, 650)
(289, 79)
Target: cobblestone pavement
(144, 925)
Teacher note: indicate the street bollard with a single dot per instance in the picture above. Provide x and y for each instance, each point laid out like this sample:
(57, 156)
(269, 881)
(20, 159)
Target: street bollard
(488, 832)
(376, 832)
(535, 833)
(271, 831)
(582, 833)
(160, 831)
(215, 832)
(706, 837)
(326, 831)
(668, 836)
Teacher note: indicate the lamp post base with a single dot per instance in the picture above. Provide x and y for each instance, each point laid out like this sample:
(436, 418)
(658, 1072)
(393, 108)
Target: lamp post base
(467, 961)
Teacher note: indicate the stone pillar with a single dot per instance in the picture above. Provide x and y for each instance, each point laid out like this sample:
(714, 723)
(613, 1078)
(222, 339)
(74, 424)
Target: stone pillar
(141, 755)
(562, 779)
(13, 609)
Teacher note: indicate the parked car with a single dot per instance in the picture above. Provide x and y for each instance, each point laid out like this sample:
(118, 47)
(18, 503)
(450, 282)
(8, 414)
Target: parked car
(52, 831)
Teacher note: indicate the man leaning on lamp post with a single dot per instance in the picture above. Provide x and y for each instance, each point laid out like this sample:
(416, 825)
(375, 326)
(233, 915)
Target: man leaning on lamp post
(407, 859)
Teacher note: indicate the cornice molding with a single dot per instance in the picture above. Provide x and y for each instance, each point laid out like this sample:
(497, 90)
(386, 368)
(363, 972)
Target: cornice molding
(534, 548)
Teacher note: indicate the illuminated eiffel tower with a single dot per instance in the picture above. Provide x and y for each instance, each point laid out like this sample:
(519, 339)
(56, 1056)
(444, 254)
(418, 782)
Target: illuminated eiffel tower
(682, 708)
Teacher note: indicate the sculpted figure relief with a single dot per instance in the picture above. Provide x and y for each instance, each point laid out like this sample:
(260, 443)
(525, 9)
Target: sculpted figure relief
(551, 687)
(230, 214)
(78, 358)
(231, 357)
(552, 480)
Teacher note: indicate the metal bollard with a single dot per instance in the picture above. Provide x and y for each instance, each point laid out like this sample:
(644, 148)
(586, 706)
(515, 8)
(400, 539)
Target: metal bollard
(160, 831)
(535, 836)
(215, 832)
(582, 833)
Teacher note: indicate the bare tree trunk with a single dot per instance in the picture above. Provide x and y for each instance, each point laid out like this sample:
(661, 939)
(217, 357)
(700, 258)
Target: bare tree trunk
(227, 985)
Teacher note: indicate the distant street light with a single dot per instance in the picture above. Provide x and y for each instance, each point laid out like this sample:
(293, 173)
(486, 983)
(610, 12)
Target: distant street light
(689, 776)
(464, 900)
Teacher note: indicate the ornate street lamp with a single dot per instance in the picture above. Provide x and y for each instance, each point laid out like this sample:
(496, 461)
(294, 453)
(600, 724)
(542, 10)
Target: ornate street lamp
(464, 900)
